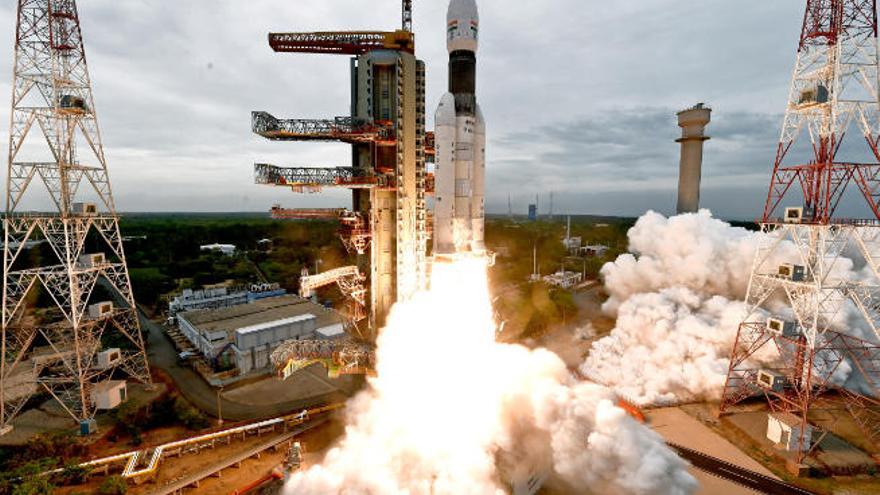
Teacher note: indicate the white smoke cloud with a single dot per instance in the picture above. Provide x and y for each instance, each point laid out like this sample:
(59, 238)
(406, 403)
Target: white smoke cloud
(667, 346)
(694, 251)
(679, 302)
(449, 405)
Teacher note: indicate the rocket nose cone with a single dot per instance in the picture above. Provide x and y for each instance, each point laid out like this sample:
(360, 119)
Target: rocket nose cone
(462, 9)
(462, 25)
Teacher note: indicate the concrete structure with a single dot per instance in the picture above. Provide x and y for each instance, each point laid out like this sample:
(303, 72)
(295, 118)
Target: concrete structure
(597, 250)
(227, 249)
(564, 279)
(460, 137)
(533, 212)
(784, 430)
(693, 122)
(245, 335)
(390, 86)
(109, 394)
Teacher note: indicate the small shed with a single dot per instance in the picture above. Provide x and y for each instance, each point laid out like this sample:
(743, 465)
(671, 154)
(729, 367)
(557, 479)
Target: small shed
(109, 394)
(784, 430)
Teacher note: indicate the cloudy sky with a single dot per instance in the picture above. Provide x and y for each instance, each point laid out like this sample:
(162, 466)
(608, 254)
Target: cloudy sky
(579, 96)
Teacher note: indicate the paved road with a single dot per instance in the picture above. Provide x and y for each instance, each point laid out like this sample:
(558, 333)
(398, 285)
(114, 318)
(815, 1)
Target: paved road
(163, 355)
(736, 474)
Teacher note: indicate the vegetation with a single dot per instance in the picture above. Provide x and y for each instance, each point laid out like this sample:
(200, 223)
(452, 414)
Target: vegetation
(529, 309)
(163, 251)
(170, 409)
(20, 467)
(113, 485)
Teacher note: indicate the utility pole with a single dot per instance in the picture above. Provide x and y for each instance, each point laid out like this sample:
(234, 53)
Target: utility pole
(219, 407)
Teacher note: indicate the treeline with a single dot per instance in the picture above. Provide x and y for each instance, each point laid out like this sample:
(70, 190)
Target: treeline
(163, 251)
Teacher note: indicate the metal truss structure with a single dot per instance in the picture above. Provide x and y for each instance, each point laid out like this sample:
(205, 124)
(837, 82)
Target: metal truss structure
(834, 88)
(809, 343)
(61, 350)
(354, 230)
(342, 43)
(345, 129)
(349, 42)
(339, 357)
(350, 281)
(315, 178)
(390, 147)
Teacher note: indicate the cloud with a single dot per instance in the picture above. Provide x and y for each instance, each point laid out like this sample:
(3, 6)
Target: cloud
(175, 83)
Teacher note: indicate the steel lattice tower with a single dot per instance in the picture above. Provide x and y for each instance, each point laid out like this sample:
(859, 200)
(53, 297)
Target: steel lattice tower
(807, 314)
(68, 349)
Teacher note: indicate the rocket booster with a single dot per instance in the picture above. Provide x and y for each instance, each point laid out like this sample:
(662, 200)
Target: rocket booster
(460, 140)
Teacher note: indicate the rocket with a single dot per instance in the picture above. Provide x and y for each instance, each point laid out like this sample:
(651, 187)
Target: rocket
(460, 141)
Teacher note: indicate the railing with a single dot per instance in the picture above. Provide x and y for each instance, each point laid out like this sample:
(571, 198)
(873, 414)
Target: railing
(132, 459)
(351, 177)
(339, 129)
(309, 283)
(342, 43)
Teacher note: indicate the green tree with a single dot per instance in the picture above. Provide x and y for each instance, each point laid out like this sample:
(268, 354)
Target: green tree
(113, 485)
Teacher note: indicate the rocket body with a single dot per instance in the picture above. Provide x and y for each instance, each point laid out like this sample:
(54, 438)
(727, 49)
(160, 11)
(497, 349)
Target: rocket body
(460, 140)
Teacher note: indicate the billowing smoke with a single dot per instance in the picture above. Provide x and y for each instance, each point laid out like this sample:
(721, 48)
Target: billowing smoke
(668, 346)
(449, 405)
(678, 302)
(692, 251)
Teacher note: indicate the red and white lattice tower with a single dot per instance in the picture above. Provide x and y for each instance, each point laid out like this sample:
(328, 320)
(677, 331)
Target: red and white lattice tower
(57, 338)
(809, 342)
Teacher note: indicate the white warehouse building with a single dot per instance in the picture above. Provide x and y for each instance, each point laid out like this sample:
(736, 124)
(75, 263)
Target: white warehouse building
(244, 336)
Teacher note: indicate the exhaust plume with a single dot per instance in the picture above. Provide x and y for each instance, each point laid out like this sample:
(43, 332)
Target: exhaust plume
(449, 405)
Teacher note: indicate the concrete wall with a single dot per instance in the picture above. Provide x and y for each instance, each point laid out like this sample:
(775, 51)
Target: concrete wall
(192, 334)
(276, 333)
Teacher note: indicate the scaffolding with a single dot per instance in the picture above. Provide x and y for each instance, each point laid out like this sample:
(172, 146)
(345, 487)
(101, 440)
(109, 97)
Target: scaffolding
(52, 97)
(339, 357)
(350, 282)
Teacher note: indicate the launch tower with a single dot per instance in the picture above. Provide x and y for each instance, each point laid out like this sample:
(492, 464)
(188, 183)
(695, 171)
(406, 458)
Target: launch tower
(59, 338)
(809, 344)
(388, 177)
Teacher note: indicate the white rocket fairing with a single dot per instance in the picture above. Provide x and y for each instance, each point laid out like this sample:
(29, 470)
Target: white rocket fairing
(460, 141)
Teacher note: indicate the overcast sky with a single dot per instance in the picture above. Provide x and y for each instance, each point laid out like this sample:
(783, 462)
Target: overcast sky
(579, 96)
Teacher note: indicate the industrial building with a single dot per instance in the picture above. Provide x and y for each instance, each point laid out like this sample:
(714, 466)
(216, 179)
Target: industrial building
(222, 297)
(593, 250)
(227, 249)
(564, 279)
(244, 336)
